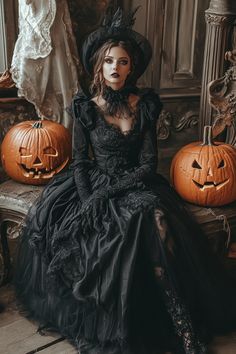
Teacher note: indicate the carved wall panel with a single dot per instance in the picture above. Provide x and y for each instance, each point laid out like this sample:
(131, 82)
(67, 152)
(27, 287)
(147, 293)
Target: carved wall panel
(183, 38)
(149, 21)
(176, 30)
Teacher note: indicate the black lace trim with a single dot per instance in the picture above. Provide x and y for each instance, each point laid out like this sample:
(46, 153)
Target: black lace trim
(182, 324)
(117, 104)
(179, 314)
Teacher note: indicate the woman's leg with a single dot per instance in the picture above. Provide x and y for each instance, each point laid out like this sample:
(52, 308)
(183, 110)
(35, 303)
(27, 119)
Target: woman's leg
(176, 308)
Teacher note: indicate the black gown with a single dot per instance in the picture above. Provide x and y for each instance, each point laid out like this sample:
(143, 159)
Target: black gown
(108, 254)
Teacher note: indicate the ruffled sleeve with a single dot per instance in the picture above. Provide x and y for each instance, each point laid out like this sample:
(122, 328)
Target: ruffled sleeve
(150, 106)
(83, 115)
(82, 109)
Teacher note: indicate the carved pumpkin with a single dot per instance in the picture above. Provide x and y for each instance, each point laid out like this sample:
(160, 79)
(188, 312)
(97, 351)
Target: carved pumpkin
(34, 151)
(205, 173)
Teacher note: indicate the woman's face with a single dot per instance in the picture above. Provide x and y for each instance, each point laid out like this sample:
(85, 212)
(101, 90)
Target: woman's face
(116, 67)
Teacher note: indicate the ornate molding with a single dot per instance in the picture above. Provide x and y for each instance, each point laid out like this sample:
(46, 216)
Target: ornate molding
(188, 120)
(13, 230)
(164, 125)
(217, 20)
(222, 97)
(10, 231)
(15, 201)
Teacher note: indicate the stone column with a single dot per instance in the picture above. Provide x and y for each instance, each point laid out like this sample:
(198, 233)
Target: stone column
(220, 18)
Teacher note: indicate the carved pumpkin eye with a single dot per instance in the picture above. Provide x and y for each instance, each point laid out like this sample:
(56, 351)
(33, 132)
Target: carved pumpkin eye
(24, 152)
(49, 151)
(195, 164)
(221, 164)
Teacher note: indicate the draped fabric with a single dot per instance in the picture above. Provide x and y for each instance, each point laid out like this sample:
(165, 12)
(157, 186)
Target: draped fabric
(45, 59)
(35, 22)
(110, 257)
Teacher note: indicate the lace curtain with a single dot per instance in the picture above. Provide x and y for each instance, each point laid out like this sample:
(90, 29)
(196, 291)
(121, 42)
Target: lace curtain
(45, 60)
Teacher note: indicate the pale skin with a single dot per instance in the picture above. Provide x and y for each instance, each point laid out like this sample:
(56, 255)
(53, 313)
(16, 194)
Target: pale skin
(116, 68)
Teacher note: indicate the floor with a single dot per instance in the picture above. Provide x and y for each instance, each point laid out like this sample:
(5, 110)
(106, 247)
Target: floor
(18, 335)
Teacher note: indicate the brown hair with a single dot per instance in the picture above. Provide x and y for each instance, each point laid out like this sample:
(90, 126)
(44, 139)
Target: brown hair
(98, 82)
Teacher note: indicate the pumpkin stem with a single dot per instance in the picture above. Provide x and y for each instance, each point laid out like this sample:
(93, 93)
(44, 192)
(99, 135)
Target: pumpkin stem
(207, 135)
(37, 124)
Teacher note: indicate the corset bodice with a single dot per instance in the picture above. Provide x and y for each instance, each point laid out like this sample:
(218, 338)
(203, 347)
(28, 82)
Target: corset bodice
(114, 151)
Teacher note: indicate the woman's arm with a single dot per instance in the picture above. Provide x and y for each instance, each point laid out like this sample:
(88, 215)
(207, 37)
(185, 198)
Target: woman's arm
(81, 160)
(148, 156)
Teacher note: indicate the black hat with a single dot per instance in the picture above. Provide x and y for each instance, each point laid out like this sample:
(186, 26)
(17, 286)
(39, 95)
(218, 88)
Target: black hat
(117, 27)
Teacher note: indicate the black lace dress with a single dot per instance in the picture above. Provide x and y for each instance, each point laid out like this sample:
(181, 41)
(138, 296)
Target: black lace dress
(109, 255)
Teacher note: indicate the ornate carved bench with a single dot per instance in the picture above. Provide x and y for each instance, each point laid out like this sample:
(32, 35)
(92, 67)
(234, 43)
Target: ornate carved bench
(15, 200)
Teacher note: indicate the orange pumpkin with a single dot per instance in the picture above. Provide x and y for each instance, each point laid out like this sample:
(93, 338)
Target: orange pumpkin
(34, 151)
(205, 173)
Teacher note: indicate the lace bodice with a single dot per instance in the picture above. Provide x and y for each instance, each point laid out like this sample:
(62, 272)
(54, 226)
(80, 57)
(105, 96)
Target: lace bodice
(131, 157)
(114, 151)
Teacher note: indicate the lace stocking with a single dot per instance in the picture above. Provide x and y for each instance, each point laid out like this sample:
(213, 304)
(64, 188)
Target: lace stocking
(179, 315)
(177, 310)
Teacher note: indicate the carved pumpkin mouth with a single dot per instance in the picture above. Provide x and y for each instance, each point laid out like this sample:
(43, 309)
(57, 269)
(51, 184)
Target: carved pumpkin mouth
(41, 172)
(210, 184)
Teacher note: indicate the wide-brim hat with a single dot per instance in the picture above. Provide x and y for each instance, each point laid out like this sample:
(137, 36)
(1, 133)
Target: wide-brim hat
(117, 27)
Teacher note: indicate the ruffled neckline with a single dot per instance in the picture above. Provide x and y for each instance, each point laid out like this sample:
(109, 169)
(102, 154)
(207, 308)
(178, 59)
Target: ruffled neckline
(115, 127)
(147, 110)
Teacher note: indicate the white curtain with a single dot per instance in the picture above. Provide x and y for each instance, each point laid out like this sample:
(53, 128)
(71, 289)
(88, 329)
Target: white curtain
(45, 60)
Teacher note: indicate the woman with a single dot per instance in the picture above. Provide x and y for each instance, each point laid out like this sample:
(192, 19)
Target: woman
(108, 254)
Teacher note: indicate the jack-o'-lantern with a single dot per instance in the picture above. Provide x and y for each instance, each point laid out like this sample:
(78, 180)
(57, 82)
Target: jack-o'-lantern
(205, 173)
(34, 151)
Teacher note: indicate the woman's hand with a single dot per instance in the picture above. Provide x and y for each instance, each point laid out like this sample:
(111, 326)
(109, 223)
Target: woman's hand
(94, 201)
(93, 210)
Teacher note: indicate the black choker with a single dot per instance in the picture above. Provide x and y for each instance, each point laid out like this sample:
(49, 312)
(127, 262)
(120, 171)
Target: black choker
(117, 103)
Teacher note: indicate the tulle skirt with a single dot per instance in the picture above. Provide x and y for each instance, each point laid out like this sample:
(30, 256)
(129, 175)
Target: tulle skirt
(128, 274)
